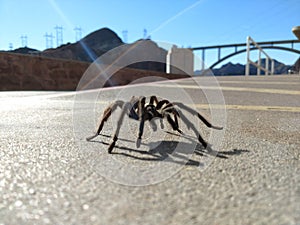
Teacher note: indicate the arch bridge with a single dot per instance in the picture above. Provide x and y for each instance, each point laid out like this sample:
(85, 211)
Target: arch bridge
(237, 49)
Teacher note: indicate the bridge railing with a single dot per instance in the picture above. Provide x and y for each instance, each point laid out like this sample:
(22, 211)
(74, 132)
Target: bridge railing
(258, 65)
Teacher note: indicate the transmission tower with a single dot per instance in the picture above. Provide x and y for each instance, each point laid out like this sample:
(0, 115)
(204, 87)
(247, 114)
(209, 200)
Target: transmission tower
(24, 41)
(145, 33)
(78, 33)
(125, 35)
(10, 46)
(49, 40)
(59, 35)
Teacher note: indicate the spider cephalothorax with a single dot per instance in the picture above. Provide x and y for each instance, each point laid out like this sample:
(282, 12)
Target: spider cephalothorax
(138, 109)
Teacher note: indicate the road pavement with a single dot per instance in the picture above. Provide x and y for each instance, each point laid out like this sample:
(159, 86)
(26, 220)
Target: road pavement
(49, 173)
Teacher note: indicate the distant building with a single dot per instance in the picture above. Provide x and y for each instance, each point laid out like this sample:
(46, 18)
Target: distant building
(180, 60)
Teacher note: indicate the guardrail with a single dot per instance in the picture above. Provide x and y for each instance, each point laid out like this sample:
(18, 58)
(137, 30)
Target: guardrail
(258, 65)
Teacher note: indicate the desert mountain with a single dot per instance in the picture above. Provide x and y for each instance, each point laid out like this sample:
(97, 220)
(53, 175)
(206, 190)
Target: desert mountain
(101, 41)
(87, 49)
(239, 69)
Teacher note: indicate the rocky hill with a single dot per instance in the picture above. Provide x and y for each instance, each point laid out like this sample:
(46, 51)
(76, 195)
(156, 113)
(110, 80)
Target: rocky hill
(239, 69)
(25, 50)
(101, 41)
(87, 49)
(296, 67)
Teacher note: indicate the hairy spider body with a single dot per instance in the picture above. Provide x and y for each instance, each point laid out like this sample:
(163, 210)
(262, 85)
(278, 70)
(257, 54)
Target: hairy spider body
(139, 110)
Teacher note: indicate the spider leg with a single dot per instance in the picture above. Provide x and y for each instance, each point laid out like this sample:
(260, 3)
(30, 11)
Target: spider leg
(169, 109)
(140, 105)
(134, 106)
(159, 104)
(174, 123)
(162, 103)
(141, 131)
(141, 110)
(126, 108)
(194, 112)
(106, 114)
(153, 99)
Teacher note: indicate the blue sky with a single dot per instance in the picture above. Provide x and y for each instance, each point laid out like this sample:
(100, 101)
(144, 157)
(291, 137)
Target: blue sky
(187, 23)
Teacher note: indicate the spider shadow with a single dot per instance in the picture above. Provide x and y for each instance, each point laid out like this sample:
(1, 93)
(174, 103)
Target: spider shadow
(172, 151)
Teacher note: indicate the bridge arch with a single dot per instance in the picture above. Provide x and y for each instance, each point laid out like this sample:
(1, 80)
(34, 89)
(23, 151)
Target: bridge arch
(254, 48)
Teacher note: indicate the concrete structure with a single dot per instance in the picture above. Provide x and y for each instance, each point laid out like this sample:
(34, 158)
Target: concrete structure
(296, 31)
(27, 72)
(180, 60)
(266, 69)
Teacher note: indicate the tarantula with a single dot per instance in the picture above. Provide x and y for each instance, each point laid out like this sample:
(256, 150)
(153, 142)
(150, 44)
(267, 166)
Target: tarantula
(139, 110)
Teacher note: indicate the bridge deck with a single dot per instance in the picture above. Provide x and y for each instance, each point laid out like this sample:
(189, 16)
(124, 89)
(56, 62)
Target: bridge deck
(236, 51)
(245, 44)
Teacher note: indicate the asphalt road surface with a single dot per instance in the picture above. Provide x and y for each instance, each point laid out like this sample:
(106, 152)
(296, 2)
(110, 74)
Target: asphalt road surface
(49, 173)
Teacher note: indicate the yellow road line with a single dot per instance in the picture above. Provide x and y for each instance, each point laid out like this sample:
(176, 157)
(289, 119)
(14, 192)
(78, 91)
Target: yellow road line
(251, 107)
(254, 82)
(242, 89)
(262, 90)
(238, 107)
(257, 82)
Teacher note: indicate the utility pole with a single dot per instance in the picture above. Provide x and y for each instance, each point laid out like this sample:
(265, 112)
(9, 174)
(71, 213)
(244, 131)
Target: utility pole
(59, 35)
(49, 40)
(24, 41)
(78, 33)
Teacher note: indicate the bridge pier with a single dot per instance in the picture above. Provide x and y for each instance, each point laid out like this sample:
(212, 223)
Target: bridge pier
(203, 60)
